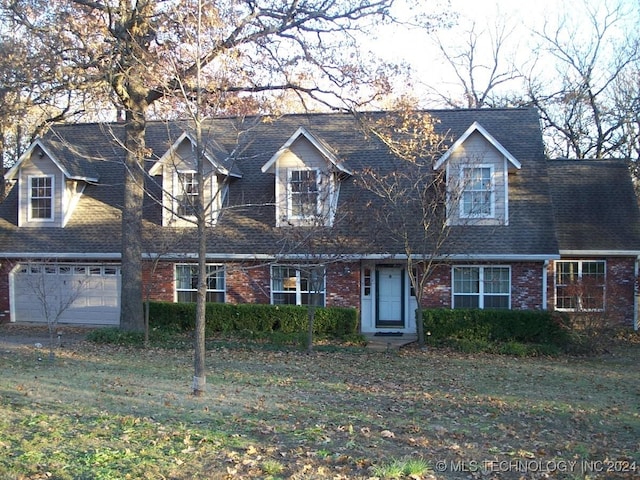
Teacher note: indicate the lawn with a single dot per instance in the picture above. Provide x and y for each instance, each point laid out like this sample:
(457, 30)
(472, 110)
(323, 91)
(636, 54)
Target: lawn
(105, 412)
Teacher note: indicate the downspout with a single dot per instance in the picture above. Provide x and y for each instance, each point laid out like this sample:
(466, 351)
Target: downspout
(544, 284)
(636, 271)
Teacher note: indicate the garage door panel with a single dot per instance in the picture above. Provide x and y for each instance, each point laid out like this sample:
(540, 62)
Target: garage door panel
(97, 295)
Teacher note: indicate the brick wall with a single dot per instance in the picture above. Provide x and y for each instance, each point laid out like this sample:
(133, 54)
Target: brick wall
(248, 283)
(343, 285)
(526, 286)
(437, 292)
(251, 283)
(160, 279)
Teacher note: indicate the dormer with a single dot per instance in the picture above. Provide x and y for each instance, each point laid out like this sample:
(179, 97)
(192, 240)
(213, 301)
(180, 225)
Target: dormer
(477, 174)
(307, 175)
(180, 189)
(50, 178)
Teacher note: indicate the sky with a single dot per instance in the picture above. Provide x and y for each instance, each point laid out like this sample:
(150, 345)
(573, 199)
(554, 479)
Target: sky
(525, 18)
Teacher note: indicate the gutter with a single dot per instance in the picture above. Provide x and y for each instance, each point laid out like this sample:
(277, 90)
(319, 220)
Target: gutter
(600, 253)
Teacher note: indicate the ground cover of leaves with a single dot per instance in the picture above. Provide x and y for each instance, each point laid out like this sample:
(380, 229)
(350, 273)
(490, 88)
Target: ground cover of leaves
(112, 413)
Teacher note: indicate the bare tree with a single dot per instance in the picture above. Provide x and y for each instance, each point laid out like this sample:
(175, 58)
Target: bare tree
(483, 66)
(54, 299)
(254, 47)
(579, 97)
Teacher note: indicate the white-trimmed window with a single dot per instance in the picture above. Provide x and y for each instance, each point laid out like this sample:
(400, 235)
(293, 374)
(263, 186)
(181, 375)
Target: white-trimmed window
(482, 287)
(41, 191)
(187, 283)
(478, 192)
(296, 286)
(187, 194)
(580, 285)
(303, 193)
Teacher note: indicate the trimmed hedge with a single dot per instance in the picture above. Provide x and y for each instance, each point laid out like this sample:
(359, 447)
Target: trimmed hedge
(497, 326)
(226, 317)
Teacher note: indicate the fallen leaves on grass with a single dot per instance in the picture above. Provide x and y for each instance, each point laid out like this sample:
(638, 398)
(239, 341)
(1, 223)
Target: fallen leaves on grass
(283, 414)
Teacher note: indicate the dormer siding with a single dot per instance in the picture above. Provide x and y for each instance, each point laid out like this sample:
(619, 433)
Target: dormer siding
(476, 152)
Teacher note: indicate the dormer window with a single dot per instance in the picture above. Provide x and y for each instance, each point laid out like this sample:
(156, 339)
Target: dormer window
(478, 195)
(307, 181)
(477, 169)
(41, 198)
(303, 193)
(181, 189)
(187, 196)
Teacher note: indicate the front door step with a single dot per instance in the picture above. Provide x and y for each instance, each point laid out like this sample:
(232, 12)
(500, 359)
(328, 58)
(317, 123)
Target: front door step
(382, 343)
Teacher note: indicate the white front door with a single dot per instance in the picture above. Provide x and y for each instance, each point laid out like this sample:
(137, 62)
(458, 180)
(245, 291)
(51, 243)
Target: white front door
(390, 297)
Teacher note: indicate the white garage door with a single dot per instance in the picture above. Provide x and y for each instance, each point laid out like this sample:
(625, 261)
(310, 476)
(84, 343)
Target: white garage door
(75, 293)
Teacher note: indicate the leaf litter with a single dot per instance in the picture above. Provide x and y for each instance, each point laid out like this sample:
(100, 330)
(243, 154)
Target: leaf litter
(113, 412)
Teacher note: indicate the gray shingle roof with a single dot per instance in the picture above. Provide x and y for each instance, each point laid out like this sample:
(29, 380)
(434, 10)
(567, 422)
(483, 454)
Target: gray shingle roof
(249, 229)
(595, 205)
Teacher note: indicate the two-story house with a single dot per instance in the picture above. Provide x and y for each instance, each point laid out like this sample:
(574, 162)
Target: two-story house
(524, 232)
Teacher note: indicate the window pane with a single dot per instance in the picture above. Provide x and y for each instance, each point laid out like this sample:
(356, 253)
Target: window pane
(318, 299)
(41, 197)
(496, 280)
(303, 189)
(466, 280)
(367, 282)
(215, 297)
(465, 301)
(188, 193)
(187, 297)
(290, 285)
(187, 283)
(566, 272)
(477, 192)
(215, 277)
(496, 301)
(284, 298)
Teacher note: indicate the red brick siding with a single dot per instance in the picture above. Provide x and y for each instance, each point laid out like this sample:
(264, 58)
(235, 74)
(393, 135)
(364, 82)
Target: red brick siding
(526, 286)
(248, 283)
(437, 292)
(343, 285)
(160, 279)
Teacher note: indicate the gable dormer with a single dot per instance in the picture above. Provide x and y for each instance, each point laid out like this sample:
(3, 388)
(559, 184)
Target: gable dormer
(307, 181)
(50, 178)
(180, 189)
(477, 175)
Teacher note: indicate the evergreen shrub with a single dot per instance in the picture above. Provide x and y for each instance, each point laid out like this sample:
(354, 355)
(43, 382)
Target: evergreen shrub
(507, 331)
(226, 318)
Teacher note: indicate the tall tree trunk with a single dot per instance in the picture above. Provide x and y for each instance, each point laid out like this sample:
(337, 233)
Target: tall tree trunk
(132, 311)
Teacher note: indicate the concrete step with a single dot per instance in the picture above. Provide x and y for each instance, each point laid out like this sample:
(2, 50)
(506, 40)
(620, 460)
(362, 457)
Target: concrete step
(382, 343)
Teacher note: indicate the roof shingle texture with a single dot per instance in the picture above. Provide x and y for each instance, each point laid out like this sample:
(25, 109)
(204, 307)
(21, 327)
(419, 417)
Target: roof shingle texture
(249, 229)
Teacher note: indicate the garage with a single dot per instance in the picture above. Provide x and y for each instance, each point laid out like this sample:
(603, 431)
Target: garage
(71, 293)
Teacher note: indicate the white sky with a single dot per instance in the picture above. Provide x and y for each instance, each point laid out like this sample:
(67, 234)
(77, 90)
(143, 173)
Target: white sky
(524, 16)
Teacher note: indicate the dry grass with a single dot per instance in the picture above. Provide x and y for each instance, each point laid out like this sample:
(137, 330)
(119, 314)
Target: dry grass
(113, 413)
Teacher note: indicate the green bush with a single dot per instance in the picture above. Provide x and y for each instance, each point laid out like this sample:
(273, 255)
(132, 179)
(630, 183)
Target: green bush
(115, 336)
(254, 318)
(512, 332)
